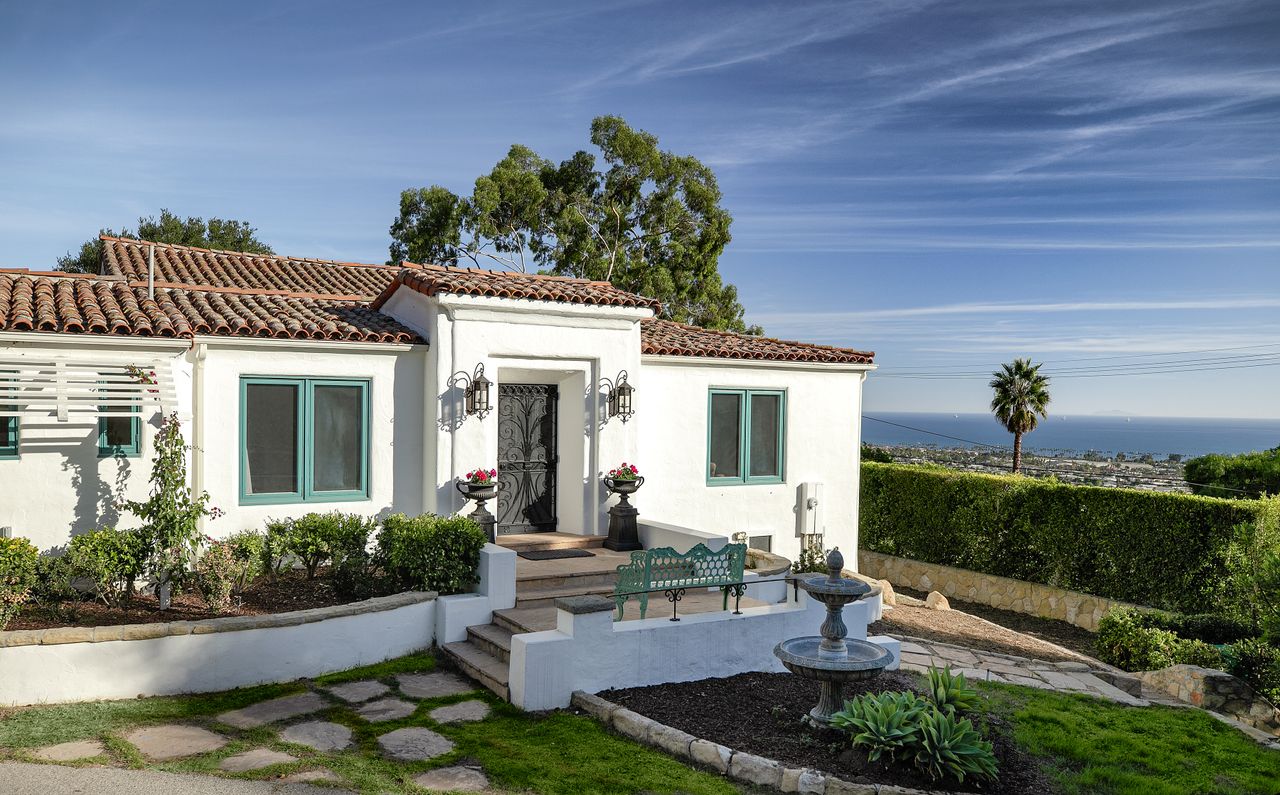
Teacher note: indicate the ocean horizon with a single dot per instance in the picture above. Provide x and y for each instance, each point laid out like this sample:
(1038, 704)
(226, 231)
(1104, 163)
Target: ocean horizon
(1077, 434)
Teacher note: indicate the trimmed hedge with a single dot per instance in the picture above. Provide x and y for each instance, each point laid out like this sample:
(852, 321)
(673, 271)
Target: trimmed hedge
(1175, 551)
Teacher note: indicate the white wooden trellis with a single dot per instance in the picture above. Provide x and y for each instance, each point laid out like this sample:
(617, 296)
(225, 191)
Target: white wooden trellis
(43, 385)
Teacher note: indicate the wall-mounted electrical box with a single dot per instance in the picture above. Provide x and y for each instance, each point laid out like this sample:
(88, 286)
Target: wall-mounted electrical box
(808, 509)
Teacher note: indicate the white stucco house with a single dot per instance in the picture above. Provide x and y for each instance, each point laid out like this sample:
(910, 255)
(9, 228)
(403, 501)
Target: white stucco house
(307, 385)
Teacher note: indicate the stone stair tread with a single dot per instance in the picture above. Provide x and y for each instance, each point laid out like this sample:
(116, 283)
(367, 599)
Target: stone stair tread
(541, 541)
(481, 666)
(492, 634)
(528, 619)
(550, 594)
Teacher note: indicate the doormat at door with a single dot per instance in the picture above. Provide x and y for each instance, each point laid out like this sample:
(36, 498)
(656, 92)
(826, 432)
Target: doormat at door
(554, 554)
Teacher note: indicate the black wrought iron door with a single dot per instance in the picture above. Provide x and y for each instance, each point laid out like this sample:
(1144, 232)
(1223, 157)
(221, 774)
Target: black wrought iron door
(527, 458)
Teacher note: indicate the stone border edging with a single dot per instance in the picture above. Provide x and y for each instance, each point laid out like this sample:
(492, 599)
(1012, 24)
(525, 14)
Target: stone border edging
(738, 765)
(60, 635)
(1084, 610)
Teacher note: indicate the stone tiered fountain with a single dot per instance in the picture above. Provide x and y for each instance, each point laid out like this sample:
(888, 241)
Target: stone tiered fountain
(831, 659)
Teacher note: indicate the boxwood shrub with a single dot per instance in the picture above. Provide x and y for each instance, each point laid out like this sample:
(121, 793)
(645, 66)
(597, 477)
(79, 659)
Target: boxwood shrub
(1126, 640)
(18, 561)
(1175, 551)
(431, 553)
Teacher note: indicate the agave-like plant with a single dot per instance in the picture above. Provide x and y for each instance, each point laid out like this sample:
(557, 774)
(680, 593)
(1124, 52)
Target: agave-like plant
(950, 692)
(882, 722)
(949, 746)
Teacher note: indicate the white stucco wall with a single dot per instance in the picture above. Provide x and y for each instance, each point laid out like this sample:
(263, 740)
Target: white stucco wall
(197, 663)
(823, 439)
(524, 341)
(395, 375)
(59, 486)
(592, 652)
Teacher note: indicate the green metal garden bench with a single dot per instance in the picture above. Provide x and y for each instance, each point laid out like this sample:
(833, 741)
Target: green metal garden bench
(664, 569)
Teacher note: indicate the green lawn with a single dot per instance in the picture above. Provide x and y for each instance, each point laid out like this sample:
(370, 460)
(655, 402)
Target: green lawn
(544, 753)
(1088, 746)
(1101, 748)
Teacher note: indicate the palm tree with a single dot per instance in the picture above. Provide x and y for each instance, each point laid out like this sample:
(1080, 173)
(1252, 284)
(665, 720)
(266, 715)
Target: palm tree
(1021, 398)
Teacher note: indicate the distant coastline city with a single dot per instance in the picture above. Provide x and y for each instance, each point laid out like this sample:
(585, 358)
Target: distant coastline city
(1103, 450)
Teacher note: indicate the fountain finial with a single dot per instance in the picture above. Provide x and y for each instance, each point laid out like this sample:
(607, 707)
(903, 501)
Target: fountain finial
(835, 564)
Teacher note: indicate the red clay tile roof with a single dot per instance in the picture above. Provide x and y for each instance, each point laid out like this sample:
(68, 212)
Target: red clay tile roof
(201, 267)
(667, 338)
(436, 279)
(77, 304)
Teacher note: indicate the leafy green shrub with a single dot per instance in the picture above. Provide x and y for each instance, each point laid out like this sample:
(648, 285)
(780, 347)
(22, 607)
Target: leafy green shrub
(882, 723)
(1173, 551)
(54, 574)
(111, 559)
(949, 692)
(216, 573)
(431, 553)
(1126, 640)
(274, 554)
(1208, 627)
(18, 561)
(354, 569)
(951, 746)
(308, 540)
(249, 546)
(1244, 475)
(877, 454)
(1258, 663)
(811, 560)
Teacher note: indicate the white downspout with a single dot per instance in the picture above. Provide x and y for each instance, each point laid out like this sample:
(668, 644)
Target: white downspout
(151, 272)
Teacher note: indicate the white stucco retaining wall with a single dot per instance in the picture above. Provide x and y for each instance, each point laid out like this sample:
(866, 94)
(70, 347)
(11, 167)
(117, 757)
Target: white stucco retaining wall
(823, 436)
(204, 656)
(592, 652)
(495, 591)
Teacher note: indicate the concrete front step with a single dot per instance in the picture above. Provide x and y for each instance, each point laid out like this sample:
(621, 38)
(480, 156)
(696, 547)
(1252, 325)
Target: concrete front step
(493, 639)
(529, 542)
(529, 583)
(481, 666)
(546, 597)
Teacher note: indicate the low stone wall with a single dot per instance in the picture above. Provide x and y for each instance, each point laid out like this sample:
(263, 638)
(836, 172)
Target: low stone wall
(756, 771)
(1082, 609)
(1216, 691)
(89, 663)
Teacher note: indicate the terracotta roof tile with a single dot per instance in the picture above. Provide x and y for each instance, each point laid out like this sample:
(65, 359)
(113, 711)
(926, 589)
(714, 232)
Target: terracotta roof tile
(68, 303)
(667, 338)
(201, 267)
(436, 279)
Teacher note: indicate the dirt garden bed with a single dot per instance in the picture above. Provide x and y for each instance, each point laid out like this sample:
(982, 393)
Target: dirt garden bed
(288, 591)
(969, 624)
(760, 713)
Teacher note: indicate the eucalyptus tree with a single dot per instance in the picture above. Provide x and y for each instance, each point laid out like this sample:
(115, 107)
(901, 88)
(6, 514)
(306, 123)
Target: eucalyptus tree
(646, 220)
(1020, 400)
(216, 233)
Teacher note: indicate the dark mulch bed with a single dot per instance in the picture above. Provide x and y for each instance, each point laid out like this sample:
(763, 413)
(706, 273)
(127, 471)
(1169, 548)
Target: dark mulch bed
(760, 713)
(1068, 636)
(291, 590)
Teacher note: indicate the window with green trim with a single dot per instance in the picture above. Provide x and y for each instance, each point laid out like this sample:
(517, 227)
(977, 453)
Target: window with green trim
(119, 436)
(8, 432)
(303, 440)
(746, 434)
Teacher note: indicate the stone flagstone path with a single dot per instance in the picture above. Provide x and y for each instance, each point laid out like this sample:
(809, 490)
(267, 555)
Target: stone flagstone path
(318, 735)
(414, 744)
(256, 759)
(277, 709)
(1078, 677)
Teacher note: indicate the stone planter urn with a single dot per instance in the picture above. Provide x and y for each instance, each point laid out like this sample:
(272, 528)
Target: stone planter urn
(480, 493)
(624, 536)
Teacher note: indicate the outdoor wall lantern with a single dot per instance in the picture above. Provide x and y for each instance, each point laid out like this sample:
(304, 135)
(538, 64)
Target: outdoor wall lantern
(476, 391)
(620, 396)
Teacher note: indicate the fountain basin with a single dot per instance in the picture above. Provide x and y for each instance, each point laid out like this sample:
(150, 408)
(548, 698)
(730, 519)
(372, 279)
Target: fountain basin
(805, 657)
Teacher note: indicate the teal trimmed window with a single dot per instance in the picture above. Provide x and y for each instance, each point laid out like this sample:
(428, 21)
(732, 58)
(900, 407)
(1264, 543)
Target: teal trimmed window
(8, 433)
(303, 440)
(119, 437)
(8, 423)
(746, 436)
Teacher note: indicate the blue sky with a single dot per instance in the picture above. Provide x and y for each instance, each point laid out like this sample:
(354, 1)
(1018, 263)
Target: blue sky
(949, 184)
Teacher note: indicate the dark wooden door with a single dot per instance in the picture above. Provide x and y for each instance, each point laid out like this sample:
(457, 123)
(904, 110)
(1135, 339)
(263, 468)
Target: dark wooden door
(527, 458)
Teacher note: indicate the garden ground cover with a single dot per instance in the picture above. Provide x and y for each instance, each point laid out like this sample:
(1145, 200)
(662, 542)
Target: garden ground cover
(1045, 741)
(543, 753)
